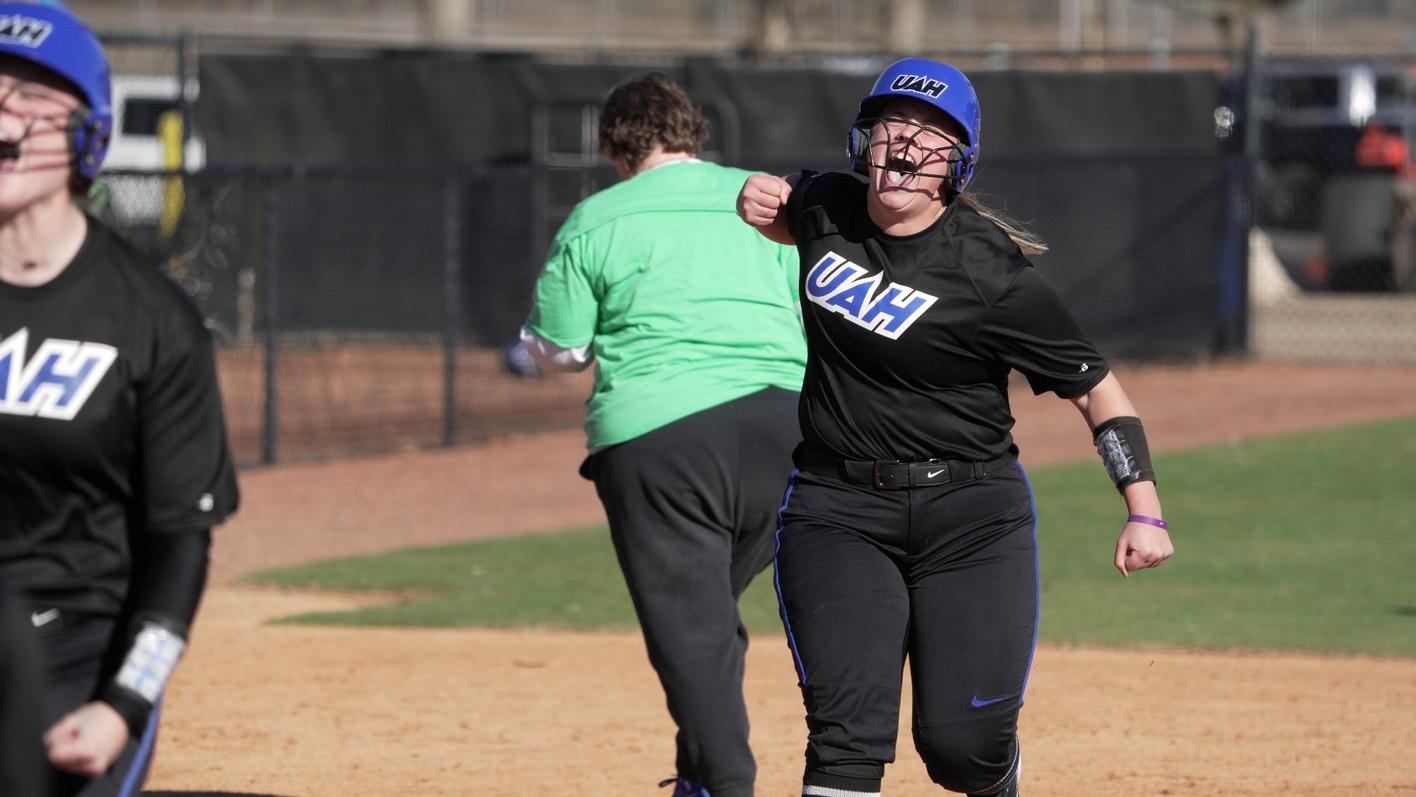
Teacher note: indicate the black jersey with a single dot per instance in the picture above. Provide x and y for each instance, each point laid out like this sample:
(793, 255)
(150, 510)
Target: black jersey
(912, 337)
(110, 424)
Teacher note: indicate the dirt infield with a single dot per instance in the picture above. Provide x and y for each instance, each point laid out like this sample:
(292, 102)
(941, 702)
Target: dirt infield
(259, 709)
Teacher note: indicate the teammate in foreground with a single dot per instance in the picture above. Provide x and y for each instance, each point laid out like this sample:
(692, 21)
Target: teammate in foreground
(909, 528)
(113, 457)
(692, 321)
(23, 770)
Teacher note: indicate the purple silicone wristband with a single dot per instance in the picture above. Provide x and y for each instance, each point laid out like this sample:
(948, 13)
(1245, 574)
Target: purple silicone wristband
(1149, 521)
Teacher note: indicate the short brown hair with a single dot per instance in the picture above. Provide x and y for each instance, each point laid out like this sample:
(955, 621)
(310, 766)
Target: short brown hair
(650, 109)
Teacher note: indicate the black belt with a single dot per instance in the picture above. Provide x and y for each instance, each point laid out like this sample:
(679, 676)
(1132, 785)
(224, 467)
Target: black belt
(892, 474)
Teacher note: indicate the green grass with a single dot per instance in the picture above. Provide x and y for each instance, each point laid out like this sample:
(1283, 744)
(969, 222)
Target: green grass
(1303, 542)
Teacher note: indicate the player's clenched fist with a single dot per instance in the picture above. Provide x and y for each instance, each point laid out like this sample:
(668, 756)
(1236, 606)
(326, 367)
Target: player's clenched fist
(760, 203)
(762, 196)
(87, 740)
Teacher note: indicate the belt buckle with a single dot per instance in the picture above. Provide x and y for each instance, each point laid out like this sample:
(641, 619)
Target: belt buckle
(875, 475)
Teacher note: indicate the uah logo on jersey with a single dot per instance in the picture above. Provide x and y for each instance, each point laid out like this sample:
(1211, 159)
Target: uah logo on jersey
(843, 287)
(920, 84)
(24, 31)
(56, 381)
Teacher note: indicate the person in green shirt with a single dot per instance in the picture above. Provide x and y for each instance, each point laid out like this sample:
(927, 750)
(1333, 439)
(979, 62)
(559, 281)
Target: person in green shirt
(692, 321)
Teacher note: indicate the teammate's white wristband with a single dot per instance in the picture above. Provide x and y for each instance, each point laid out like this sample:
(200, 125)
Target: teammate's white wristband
(551, 357)
(150, 661)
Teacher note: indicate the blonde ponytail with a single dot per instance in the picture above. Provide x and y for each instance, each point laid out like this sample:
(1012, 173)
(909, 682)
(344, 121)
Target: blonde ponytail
(1026, 241)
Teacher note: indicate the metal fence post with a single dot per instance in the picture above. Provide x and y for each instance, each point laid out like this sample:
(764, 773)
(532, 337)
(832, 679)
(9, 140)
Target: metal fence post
(271, 275)
(184, 99)
(1237, 330)
(452, 302)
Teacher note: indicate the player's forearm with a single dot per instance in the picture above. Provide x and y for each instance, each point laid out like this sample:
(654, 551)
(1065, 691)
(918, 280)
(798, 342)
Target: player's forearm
(1121, 442)
(1103, 402)
(778, 232)
(1142, 498)
(168, 578)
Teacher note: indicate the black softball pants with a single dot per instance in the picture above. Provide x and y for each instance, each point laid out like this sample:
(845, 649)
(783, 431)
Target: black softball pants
(22, 762)
(73, 648)
(692, 510)
(942, 576)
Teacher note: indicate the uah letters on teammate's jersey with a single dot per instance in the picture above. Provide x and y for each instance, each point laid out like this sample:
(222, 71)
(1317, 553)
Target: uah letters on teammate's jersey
(56, 381)
(843, 287)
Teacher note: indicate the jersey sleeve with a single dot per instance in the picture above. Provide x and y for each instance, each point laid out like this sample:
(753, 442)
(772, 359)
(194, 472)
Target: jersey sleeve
(1030, 329)
(186, 475)
(799, 200)
(789, 261)
(566, 307)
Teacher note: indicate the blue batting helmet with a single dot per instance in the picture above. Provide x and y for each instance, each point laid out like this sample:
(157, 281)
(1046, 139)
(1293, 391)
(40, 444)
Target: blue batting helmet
(940, 85)
(48, 35)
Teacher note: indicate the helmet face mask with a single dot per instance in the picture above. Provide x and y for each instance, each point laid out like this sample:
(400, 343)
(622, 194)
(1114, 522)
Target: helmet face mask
(56, 41)
(938, 85)
(908, 147)
(31, 110)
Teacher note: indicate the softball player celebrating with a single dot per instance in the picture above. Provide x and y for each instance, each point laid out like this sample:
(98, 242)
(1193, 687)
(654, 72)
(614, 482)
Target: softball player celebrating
(691, 320)
(908, 530)
(113, 457)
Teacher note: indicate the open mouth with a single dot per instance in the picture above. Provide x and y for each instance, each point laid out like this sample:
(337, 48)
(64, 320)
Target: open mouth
(899, 169)
(9, 150)
(901, 164)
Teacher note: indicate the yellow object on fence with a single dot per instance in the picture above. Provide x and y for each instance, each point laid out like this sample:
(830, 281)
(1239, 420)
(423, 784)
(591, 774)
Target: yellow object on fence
(169, 130)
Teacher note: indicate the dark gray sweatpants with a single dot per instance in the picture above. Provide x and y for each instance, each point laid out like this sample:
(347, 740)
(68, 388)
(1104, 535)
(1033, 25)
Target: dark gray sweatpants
(692, 510)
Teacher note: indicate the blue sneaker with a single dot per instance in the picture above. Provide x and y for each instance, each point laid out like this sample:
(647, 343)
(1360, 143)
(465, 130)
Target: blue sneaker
(683, 787)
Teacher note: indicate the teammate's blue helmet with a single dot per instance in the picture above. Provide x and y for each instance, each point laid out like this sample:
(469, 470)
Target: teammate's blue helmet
(51, 37)
(940, 85)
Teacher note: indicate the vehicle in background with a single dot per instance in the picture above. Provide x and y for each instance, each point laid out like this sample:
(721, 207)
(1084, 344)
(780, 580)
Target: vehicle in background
(1369, 215)
(1311, 113)
(148, 140)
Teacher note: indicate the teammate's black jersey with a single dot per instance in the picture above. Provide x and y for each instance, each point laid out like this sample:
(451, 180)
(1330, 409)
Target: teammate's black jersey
(912, 337)
(110, 424)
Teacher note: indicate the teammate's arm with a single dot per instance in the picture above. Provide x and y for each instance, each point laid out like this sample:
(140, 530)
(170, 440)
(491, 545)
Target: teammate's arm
(565, 306)
(760, 202)
(550, 357)
(1141, 545)
(169, 575)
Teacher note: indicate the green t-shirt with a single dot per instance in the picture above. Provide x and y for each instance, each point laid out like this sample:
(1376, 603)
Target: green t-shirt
(684, 306)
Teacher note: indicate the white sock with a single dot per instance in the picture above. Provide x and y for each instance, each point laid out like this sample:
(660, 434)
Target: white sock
(826, 791)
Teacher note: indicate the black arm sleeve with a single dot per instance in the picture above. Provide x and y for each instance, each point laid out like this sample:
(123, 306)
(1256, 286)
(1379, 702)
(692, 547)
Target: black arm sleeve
(169, 576)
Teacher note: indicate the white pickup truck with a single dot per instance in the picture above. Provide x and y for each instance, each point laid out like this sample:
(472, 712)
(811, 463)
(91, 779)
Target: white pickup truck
(139, 105)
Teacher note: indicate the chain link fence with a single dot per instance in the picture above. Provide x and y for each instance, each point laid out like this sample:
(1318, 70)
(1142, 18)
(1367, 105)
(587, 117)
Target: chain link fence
(1333, 249)
(360, 312)
(357, 313)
